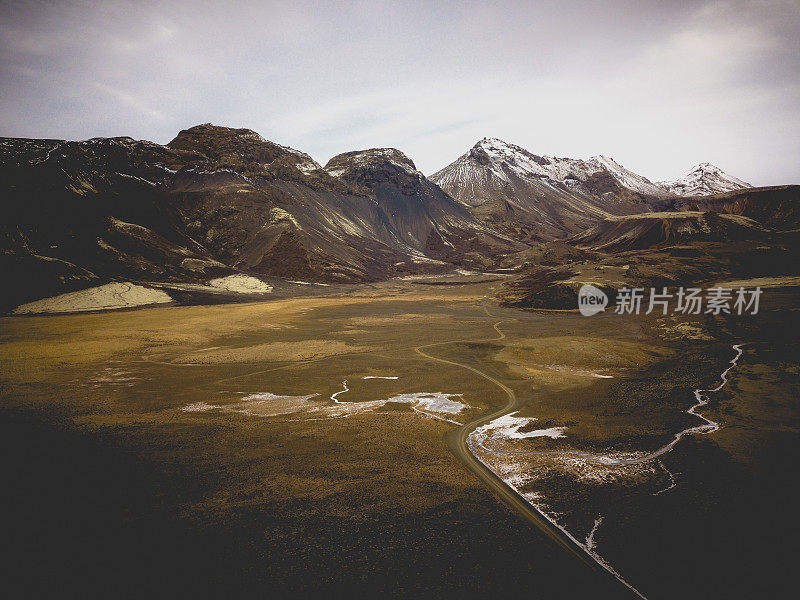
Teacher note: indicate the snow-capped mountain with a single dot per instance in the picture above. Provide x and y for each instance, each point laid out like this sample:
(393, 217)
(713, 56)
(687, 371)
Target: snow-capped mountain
(542, 197)
(629, 179)
(705, 179)
(503, 159)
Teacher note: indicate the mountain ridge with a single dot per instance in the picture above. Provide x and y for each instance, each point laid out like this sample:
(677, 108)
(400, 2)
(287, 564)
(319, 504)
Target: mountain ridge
(217, 201)
(212, 202)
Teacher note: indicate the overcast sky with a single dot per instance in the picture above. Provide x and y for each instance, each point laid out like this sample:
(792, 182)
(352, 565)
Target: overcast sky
(659, 86)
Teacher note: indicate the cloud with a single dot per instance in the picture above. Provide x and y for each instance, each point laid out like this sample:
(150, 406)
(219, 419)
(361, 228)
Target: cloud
(658, 85)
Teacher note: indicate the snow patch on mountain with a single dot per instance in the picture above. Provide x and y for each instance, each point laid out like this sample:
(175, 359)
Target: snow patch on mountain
(626, 178)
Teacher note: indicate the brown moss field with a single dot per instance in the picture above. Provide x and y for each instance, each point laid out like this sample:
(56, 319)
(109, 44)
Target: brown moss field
(105, 467)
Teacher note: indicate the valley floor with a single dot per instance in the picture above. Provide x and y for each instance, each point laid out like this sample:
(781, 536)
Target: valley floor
(300, 446)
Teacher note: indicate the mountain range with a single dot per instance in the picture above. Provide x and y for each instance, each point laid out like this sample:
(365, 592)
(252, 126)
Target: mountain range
(217, 201)
(538, 198)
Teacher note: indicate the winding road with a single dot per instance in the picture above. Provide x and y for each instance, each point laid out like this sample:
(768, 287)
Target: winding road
(458, 442)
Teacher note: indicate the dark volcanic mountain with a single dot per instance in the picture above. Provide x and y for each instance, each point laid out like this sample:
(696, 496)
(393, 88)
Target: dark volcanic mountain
(216, 201)
(80, 213)
(418, 211)
(542, 197)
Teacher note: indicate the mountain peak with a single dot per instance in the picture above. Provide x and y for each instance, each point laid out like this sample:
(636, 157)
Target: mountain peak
(539, 197)
(209, 129)
(706, 167)
(502, 160)
(489, 141)
(370, 158)
(499, 154)
(375, 166)
(703, 180)
(229, 145)
(495, 145)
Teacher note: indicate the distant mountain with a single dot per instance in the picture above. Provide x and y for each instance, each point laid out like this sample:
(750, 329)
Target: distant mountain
(216, 201)
(542, 197)
(703, 180)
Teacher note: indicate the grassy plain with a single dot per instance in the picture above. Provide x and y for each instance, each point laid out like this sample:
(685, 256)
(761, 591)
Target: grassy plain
(113, 488)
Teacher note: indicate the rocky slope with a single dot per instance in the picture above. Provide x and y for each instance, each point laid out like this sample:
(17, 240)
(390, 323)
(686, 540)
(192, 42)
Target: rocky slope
(635, 232)
(541, 198)
(79, 213)
(215, 201)
(655, 250)
(774, 207)
(703, 180)
(418, 212)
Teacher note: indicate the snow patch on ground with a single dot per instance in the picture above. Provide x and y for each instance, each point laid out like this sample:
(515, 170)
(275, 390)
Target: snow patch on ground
(266, 404)
(308, 283)
(517, 479)
(241, 284)
(104, 297)
(508, 427)
(258, 405)
(199, 407)
(433, 401)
